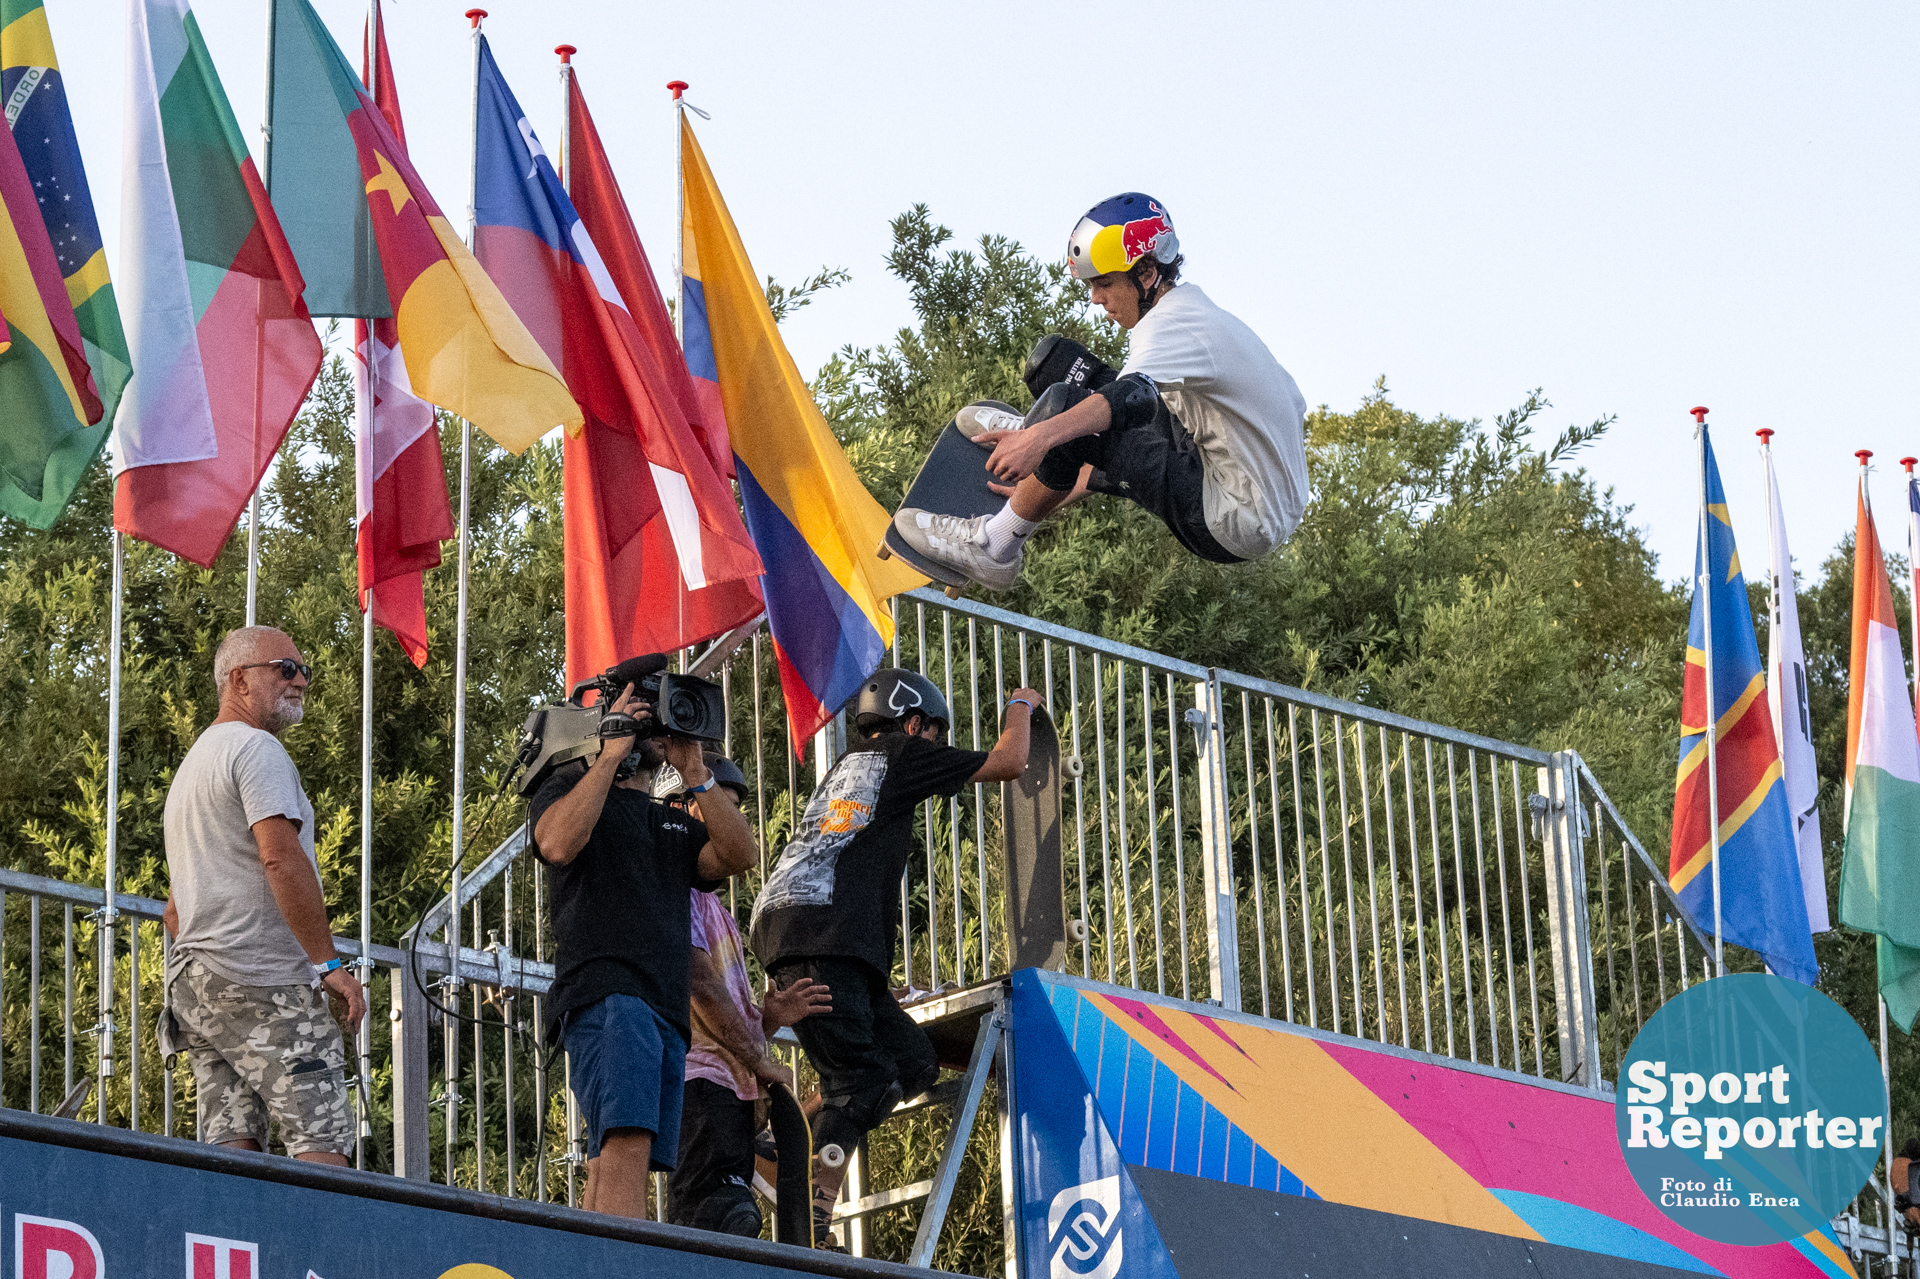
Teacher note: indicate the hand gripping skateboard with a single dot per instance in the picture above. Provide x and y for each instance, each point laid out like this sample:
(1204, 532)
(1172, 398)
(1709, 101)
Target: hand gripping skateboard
(1036, 888)
(953, 480)
(793, 1138)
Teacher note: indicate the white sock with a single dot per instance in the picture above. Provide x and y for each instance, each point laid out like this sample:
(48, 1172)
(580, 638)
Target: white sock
(1006, 532)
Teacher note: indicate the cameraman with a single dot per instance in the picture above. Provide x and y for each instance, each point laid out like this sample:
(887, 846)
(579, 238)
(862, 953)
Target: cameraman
(622, 864)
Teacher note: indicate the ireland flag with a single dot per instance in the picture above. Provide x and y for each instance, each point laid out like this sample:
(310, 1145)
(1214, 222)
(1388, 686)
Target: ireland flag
(1880, 878)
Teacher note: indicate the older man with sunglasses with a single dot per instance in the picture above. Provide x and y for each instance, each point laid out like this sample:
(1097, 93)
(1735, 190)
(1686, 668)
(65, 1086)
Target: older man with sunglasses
(253, 959)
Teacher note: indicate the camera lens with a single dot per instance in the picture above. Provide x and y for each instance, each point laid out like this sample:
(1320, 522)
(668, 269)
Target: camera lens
(683, 709)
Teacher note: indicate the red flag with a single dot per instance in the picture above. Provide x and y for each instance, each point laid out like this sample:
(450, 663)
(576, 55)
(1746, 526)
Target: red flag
(400, 482)
(626, 592)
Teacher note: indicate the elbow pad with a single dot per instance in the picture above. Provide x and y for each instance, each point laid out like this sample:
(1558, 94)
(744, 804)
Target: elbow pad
(1132, 399)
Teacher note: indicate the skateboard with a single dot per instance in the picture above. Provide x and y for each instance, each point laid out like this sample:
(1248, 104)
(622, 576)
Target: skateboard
(793, 1183)
(952, 481)
(1036, 885)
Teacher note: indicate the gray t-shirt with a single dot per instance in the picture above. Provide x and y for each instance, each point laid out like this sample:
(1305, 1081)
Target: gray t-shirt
(234, 776)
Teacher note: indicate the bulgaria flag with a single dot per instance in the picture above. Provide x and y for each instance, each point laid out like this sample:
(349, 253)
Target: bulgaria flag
(223, 349)
(1880, 878)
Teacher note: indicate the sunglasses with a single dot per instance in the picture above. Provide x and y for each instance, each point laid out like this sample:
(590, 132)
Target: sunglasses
(287, 666)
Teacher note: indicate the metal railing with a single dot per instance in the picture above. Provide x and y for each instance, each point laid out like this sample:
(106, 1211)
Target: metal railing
(1225, 838)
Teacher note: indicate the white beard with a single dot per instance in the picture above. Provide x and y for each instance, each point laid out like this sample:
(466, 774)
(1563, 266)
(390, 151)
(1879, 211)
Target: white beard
(287, 712)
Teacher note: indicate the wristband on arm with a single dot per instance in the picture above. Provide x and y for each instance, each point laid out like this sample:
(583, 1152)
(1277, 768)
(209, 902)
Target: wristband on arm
(1021, 701)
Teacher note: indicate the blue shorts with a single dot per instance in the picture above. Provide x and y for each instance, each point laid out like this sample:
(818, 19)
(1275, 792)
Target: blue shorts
(629, 1071)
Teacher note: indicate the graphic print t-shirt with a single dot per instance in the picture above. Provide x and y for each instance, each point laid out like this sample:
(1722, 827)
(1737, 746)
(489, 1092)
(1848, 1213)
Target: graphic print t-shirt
(836, 889)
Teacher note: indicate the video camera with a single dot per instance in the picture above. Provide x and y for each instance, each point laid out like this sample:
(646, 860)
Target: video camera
(682, 706)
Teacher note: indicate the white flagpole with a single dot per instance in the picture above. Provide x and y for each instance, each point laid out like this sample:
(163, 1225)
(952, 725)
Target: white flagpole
(109, 914)
(1703, 583)
(266, 180)
(1913, 563)
(453, 983)
(679, 87)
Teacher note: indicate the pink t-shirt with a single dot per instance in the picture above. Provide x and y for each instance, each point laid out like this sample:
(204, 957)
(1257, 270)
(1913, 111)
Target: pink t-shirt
(715, 932)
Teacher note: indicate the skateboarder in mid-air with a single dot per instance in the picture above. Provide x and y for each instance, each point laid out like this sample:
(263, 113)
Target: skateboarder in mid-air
(1202, 427)
(831, 906)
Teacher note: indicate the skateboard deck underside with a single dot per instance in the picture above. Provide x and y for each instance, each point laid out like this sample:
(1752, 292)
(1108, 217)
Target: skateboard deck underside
(793, 1204)
(1036, 897)
(952, 481)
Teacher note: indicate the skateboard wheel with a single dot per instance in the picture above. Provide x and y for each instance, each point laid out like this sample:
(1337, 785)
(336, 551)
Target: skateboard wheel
(955, 592)
(883, 551)
(1077, 929)
(832, 1156)
(1073, 766)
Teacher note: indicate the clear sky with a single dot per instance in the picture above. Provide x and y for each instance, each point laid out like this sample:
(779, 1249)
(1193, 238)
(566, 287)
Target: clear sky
(1640, 207)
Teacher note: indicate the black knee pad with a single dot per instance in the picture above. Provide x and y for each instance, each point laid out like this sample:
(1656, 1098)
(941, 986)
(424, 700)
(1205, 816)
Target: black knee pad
(847, 1117)
(1132, 399)
(1056, 358)
(1053, 401)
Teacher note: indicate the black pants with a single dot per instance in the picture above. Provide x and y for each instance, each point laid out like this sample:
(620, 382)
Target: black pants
(863, 1047)
(715, 1170)
(1155, 463)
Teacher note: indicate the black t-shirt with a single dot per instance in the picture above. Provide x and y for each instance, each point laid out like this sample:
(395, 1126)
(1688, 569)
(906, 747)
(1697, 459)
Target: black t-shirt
(621, 922)
(836, 889)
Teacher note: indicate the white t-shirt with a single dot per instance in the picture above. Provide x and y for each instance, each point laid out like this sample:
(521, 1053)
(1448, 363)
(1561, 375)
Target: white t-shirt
(234, 776)
(1242, 408)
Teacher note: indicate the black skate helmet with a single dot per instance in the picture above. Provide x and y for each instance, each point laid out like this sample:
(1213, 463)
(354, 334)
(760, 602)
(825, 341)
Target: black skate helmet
(728, 774)
(891, 694)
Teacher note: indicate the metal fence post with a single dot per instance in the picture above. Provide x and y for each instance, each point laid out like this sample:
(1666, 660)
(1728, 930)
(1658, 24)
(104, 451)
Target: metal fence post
(1563, 842)
(408, 1010)
(1216, 843)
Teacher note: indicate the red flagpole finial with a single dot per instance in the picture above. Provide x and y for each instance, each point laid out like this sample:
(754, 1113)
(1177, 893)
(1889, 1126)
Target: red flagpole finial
(1908, 462)
(1766, 434)
(678, 86)
(1863, 455)
(474, 16)
(566, 52)
(1699, 415)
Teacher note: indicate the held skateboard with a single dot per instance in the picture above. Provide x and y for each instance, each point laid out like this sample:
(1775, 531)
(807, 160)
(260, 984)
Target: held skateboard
(952, 481)
(1036, 889)
(793, 1183)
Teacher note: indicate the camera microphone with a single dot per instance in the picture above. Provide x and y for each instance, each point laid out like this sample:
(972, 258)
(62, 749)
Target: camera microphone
(633, 670)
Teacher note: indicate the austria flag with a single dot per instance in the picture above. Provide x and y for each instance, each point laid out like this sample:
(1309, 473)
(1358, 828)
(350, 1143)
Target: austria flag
(400, 484)
(657, 555)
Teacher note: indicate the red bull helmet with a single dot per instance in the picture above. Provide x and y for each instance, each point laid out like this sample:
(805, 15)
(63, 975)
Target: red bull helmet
(1118, 232)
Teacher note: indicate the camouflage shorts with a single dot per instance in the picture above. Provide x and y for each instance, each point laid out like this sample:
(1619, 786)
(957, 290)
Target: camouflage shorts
(261, 1052)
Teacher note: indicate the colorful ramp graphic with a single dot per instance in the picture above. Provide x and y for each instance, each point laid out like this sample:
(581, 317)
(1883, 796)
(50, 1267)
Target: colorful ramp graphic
(1384, 1151)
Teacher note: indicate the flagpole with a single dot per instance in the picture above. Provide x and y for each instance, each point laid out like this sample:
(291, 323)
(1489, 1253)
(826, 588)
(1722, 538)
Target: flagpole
(474, 17)
(363, 1033)
(109, 914)
(566, 52)
(266, 180)
(1704, 584)
(678, 87)
(1913, 570)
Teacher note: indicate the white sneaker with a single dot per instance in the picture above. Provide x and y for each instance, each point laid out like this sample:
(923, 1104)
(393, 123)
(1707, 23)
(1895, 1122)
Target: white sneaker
(957, 544)
(987, 415)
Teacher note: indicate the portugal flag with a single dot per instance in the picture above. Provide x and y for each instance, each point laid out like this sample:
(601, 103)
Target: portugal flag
(1762, 904)
(374, 244)
(223, 349)
(1880, 878)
